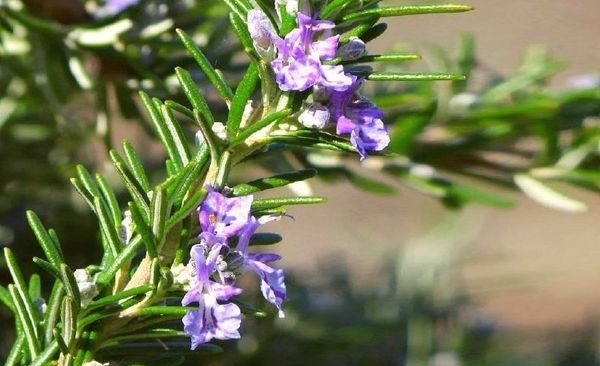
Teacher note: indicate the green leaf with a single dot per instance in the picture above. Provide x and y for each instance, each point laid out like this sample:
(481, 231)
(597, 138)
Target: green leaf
(112, 299)
(386, 58)
(159, 211)
(269, 203)
(392, 76)
(177, 187)
(180, 108)
(466, 60)
(53, 310)
(20, 288)
(68, 279)
(547, 196)
(222, 88)
(187, 208)
(83, 192)
(275, 181)
(135, 190)
(259, 125)
(243, 94)
(35, 287)
(194, 96)
(48, 245)
(16, 351)
(209, 136)
(107, 227)
(288, 21)
(163, 310)
(111, 199)
(407, 10)
(5, 299)
(124, 256)
(182, 153)
(237, 8)
(366, 25)
(250, 310)
(155, 109)
(69, 320)
(315, 139)
(334, 7)
(88, 181)
(46, 355)
(135, 166)
(241, 30)
(406, 129)
(369, 184)
(265, 239)
(49, 268)
(62, 345)
(374, 32)
(29, 327)
(144, 230)
(470, 194)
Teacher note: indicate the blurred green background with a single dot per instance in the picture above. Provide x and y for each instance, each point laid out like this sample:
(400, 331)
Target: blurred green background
(374, 280)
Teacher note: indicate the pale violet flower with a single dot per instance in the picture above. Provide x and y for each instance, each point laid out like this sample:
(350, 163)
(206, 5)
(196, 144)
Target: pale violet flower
(214, 267)
(262, 33)
(315, 115)
(211, 320)
(117, 6)
(358, 117)
(354, 49)
(299, 66)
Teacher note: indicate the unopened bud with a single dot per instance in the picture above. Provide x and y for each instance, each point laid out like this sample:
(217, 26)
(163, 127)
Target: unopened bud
(220, 130)
(320, 94)
(126, 230)
(291, 6)
(86, 285)
(315, 115)
(262, 33)
(354, 49)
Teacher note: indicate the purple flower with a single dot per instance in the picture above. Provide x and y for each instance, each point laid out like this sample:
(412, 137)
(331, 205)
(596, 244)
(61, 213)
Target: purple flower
(117, 6)
(211, 320)
(298, 65)
(358, 117)
(215, 267)
(272, 283)
(224, 217)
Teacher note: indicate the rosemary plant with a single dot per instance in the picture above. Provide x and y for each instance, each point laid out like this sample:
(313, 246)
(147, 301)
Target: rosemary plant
(166, 285)
(172, 255)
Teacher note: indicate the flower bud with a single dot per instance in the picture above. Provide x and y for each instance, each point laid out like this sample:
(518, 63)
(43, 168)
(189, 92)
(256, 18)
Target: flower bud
(86, 285)
(95, 363)
(315, 115)
(291, 6)
(126, 230)
(262, 33)
(320, 94)
(220, 130)
(354, 49)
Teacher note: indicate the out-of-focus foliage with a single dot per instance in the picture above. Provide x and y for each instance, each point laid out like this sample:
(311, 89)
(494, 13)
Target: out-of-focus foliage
(417, 313)
(516, 131)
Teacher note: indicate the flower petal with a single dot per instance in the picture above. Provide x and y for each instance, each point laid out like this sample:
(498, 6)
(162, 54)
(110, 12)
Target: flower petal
(272, 283)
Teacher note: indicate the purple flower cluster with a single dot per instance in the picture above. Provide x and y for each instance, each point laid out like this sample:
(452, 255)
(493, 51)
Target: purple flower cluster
(215, 265)
(299, 65)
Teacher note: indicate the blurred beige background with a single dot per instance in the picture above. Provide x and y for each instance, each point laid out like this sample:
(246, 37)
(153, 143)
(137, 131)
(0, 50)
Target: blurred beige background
(529, 267)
